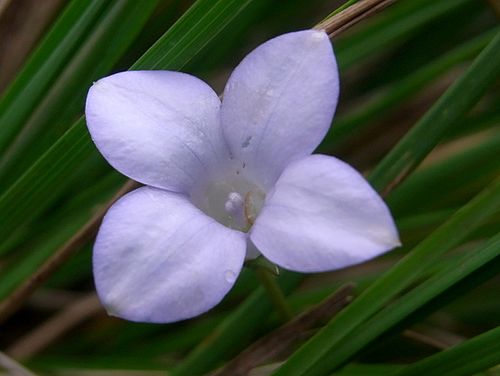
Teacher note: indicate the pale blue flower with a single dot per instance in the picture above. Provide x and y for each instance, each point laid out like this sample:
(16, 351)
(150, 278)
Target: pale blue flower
(226, 181)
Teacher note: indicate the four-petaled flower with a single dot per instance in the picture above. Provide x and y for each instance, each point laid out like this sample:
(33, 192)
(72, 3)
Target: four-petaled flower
(226, 181)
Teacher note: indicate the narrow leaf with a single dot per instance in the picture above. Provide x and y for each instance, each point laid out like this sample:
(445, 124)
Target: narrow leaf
(428, 132)
(474, 355)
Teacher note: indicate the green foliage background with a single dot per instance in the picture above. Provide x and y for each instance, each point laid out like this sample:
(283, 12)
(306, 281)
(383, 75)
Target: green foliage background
(419, 113)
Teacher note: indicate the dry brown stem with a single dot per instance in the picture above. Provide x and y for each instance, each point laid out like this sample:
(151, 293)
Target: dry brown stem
(52, 329)
(12, 367)
(352, 15)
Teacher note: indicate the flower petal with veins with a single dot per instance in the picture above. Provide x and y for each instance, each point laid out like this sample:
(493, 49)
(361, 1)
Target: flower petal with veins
(160, 128)
(158, 258)
(279, 101)
(323, 215)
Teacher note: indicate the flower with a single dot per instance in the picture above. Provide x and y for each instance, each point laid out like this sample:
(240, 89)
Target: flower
(225, 181)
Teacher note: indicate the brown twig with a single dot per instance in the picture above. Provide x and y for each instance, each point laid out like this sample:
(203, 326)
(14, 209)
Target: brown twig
(14, 368)
(52, 329)
(352, 15)
(15, 300)
(282, 338)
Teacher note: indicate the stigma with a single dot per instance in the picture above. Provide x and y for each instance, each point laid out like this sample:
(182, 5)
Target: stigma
(235, 201)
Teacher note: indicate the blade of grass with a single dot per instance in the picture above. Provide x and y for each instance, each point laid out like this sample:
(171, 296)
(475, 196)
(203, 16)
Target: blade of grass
(474, 355)
(43, 66)
(63, 101)
(126, 338)
(391, 27)
(204, 21)
(436, 183)
(430, 129)
(389, 97)
(460, 268)
(481, 121)
(53, 234)
(368, 369)
(344, 6)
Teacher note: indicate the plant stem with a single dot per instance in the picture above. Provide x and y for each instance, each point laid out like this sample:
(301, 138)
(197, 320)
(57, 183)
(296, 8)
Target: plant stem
(275, 294)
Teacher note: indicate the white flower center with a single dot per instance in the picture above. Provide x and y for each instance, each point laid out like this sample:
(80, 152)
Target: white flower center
(233, 201)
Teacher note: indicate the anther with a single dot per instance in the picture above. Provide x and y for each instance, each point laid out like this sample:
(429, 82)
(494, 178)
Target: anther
(234, 204)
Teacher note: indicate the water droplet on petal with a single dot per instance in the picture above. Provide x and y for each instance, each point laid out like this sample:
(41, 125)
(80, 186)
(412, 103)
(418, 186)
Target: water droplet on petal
(230, 276)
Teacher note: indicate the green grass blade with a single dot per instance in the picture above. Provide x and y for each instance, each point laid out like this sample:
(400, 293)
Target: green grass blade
(428, 132)
(440, 183)
(474, 355)
(44, 65)
(392, 27)
(482, 121)
(368, 370)
(63, 224)
(36, 189)
(204, 21)
(389, 97)
(42, 183)
(344, 6)
(442, 279)
(63, 101)
(407, 271)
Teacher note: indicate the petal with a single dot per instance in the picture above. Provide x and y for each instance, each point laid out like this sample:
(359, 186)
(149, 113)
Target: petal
(159, 259)
(323, 215)
(279, 102)
(160, 128)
